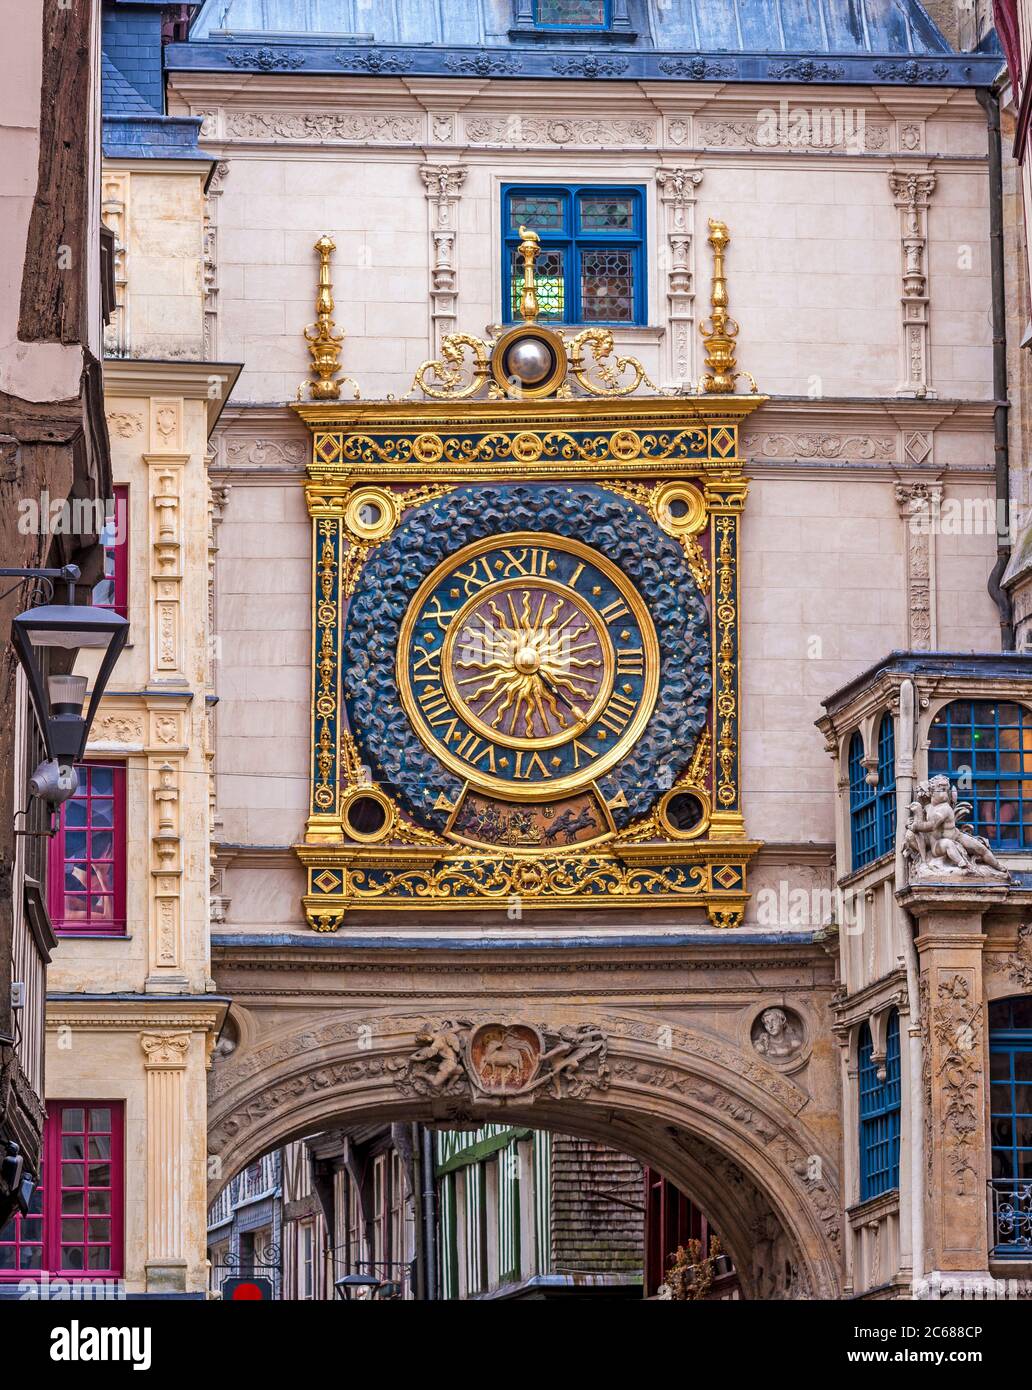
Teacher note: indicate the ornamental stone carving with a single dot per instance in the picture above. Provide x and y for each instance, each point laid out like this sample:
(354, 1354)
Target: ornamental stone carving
(677, 195)
(117, 728)
(443, 184)
(935, 844)
(1017, 965)
(777, 1034)
(266, 453)
(543, 130)
(791, 128)
(322, 127)
(919, 505)
(455, 1057)
(956, 1025)
(912, 191)
(821, 445)
(165, 1049)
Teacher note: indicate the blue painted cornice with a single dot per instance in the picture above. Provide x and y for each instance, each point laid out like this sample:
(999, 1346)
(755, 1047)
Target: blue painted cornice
(279, 56)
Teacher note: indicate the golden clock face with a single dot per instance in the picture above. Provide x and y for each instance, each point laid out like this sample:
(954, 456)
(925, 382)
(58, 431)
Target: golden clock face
(528, 664)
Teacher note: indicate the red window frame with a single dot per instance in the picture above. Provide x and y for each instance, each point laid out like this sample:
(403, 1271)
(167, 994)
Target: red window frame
(91, 822)
(79, 1205)
(116, 557)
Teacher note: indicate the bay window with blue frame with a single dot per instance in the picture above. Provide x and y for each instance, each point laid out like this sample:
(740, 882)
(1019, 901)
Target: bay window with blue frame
(591, 267)
(879, 1112)
(1010, 1125)
(872, 809)
(985, 748)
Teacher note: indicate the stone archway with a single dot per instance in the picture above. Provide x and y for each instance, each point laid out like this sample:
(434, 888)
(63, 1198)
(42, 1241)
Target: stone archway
(724, 1126)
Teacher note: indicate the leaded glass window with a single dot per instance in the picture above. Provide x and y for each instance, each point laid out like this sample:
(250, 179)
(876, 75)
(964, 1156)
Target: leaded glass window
(545, 212)
(607, 286)
(591, 265)
(572, 14)
(550, 280)
(607, 213)
(985, 746)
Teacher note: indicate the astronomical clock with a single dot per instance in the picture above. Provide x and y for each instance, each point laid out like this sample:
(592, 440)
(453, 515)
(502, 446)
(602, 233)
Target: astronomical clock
(526, 623)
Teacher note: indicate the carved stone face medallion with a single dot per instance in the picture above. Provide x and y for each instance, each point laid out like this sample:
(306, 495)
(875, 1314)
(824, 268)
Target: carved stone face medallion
(778, 1034)
(505, 1058)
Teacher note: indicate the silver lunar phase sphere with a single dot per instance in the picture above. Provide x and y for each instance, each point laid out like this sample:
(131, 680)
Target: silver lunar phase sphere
(529, 361)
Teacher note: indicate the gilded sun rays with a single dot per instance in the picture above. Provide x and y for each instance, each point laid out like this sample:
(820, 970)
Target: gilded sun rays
(532, 662)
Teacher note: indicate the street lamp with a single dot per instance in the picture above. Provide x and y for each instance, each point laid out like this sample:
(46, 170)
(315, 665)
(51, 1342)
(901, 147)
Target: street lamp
(58, 699)
(353, 1282)
(381, 1284)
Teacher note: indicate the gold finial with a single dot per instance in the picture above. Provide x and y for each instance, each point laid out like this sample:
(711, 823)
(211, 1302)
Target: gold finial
(529, 248)
(323, 337)
(720, 331)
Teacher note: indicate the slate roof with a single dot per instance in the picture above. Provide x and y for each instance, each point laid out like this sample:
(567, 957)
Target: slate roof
(134, 130)
(869, 41)
(701, 26)
(120, 97)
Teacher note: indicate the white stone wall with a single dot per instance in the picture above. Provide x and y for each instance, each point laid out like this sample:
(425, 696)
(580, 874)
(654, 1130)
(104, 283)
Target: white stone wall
(829, 236)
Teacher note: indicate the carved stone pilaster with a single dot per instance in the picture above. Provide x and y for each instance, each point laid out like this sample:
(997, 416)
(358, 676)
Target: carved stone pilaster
(218, 497)
(166, 876)
(166, 1056)
(166, 463)
(443, 183)
(919, 509)
(210, 264)
(114, 213)
(912, 190)
(949, 942)
(677, 190)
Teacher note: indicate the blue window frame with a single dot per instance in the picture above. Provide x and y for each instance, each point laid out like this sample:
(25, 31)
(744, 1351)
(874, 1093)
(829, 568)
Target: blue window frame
(1010, 1124)
(572, 14)
(591, 268)
(987, 746)
(879, 1113)
(872, 810)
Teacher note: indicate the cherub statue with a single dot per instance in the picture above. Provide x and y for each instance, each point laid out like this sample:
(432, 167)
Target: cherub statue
(439, 1060)
(934, 842)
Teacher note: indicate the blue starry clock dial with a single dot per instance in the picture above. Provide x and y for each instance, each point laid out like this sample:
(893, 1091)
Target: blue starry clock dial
(528, 664)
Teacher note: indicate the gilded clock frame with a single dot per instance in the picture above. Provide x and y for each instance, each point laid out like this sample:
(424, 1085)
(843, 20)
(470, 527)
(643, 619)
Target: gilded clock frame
(402, 454)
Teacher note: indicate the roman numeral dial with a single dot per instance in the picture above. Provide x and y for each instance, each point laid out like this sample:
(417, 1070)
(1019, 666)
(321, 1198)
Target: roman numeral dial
(528, 664)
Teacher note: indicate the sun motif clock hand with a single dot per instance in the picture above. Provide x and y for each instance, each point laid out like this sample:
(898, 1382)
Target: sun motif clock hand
(537, 653)
(528, 664)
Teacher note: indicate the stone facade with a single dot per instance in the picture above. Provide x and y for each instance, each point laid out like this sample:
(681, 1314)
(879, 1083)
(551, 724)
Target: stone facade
(727, 1060)
(133, 1019)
